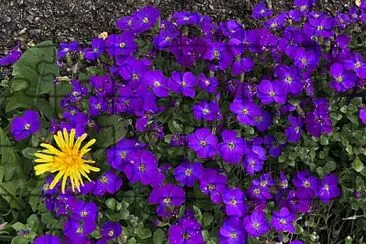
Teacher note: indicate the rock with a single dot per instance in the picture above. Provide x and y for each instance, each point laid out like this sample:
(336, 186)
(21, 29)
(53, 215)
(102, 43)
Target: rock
(34, 32)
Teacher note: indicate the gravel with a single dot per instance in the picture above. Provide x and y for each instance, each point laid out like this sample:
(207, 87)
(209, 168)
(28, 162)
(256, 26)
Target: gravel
(24, 21)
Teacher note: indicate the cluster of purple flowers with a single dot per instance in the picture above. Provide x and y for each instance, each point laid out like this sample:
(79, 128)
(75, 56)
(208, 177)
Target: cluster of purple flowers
(135, 87)
(81, 216)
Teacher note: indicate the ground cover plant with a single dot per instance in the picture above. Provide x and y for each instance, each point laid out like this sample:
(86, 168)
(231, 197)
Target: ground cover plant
(183, 130)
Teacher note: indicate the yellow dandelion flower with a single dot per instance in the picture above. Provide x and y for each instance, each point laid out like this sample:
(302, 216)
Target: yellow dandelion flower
(68, 160)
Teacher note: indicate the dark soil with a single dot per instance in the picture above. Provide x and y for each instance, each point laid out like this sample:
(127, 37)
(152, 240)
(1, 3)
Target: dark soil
(62, 20)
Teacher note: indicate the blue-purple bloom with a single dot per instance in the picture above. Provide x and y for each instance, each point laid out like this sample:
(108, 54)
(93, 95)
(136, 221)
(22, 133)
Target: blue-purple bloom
(203, 143)
(188, 173)
(27, 124)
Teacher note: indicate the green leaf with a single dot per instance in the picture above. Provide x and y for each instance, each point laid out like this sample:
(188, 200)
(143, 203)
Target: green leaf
(159, 236)
(18, 100)
(33, 222)
(29, 152)
(357, 164)
(207, 219)
(37, 68)
(143, 233)
(19, 240)
(115, 128)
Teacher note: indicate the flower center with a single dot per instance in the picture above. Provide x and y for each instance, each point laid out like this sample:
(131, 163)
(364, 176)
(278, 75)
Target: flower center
(205, 111)
(211, 187)
(122, 45)
(233, 202)
(46, 187)
(111, 233)
(272, 93)
(104, 179)
(186, 236)
(145, 20)
(80, 230)
(358, 65)
(186, 18)
(135, 76)
(203, 143)
(123, 155)
(307, 184)
(233, 235)
(157, 84)
(95, 50)
(288, 79)
(320, 27)
(244, 111)
(188, 172)
(297, 129)
(257, 191)
(207, 82)
(231, 145)
(304, 61)
(326, 187)
(216, 54)
(142, 167)
(27, 126)
(339, 79)
(263, 183)
(167, 38)
(83, 213)
(283, 221)
(183, 83)
(98, 106)
(251, 163)
(167, 200)
(303, 7)
(256, 225)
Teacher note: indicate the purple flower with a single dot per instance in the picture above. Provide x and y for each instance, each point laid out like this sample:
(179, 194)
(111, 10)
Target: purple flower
(47, 239)
(117, 156)
(260, 10)
(214, 184)
(78, 230)
(256, 224)
(258, 191)
(134, 69)
(220, 53)
(27, 124)
(13, 56)
(231, 28)
(209, 84)
(66, 48)
(263, 120)
(232, 147)
(290, 78)
(108, 182)
(293, 132)
(363, 115)
(245, 110)
(318, 121)
(124, 23)
(299, 201)
(234, 202)
(252, 163)
(305, 181)
(143, 167)
(283, 221)
(111, 230)
(122, 44)
(157, 81)
(306, 60)
(342, 80)
(186, 231)
(242, 66)
(203, 143)
(144, 19)
(183, 83)
(187, 173)
(357, 64)
(329, 189)
(232, 232)
(271, 91)
(304, 5)
(165, 39)
(207, 110)
(97, 105)
(84, 211)
(79, 91)
(97, 48)
(167, 197)
(186, 18)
